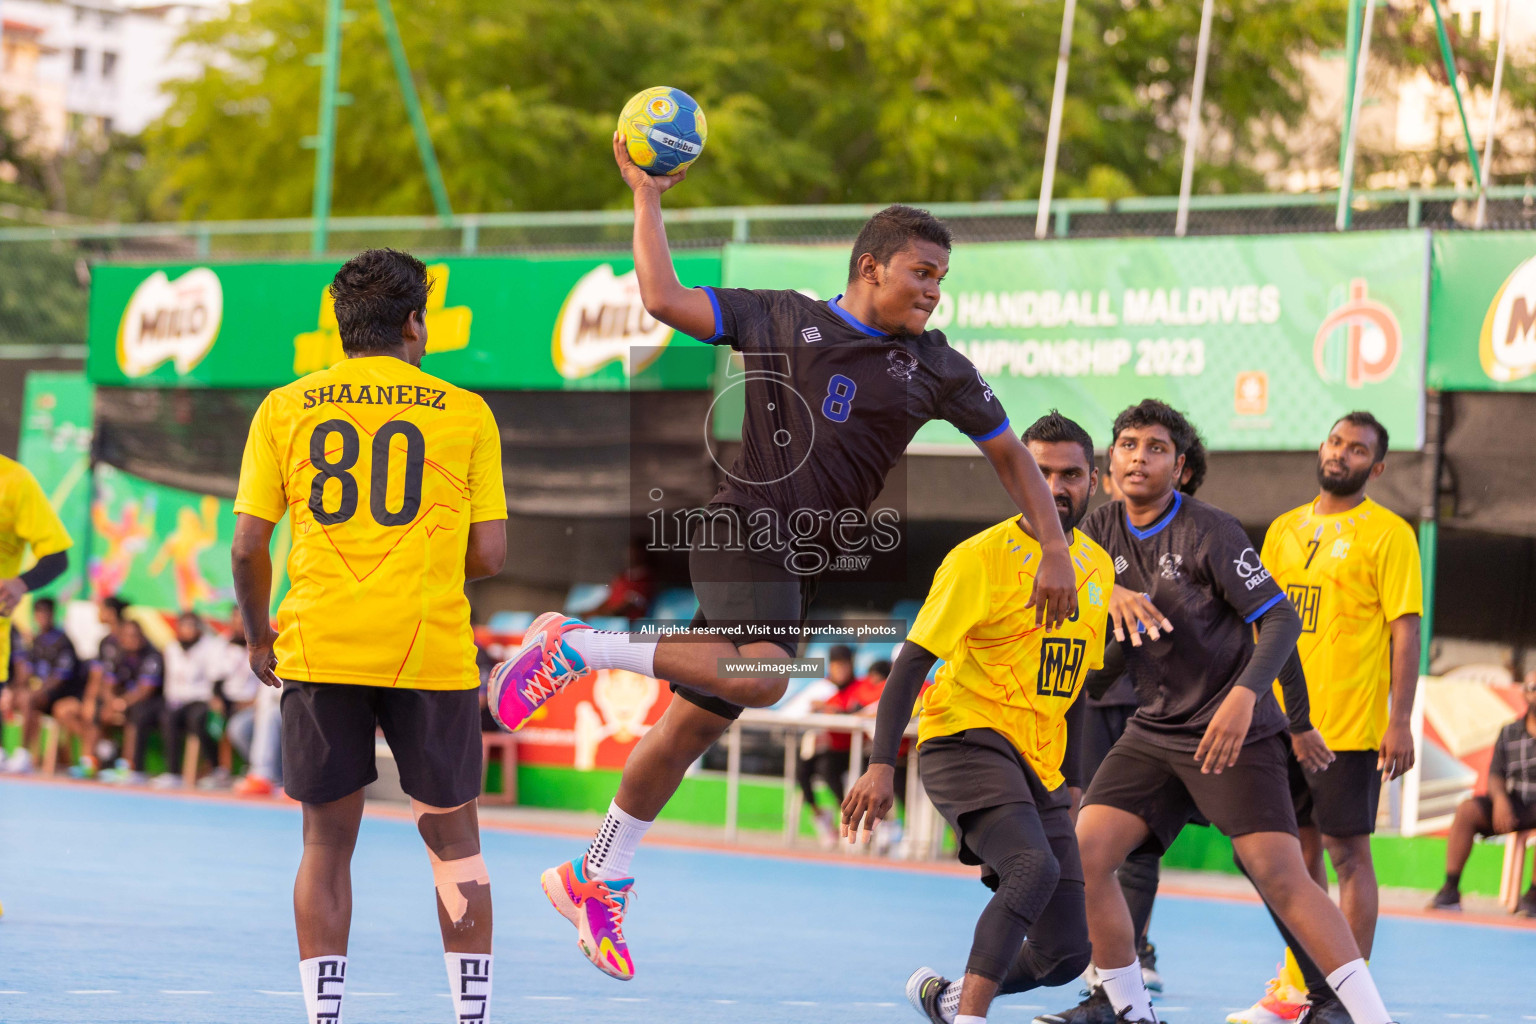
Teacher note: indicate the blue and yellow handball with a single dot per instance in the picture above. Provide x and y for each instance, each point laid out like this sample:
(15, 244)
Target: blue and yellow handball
(663, 129)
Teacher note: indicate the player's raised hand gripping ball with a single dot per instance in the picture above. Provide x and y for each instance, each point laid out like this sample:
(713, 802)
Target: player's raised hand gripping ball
(663, 130)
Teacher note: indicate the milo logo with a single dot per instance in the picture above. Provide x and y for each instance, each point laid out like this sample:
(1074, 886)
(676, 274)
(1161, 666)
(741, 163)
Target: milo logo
(170, 320)
(1507, 344)
(603, 320)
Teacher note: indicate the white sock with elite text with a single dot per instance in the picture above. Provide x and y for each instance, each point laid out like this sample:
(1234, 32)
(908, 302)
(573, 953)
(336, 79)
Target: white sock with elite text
(615, 844)
(323, 980)
(1126, 991)
(469, 983)
(1356, 989)
(970, 1018)
(604, 648)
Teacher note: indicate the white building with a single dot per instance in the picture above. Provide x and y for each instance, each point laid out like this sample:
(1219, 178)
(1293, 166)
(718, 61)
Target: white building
(108, 57)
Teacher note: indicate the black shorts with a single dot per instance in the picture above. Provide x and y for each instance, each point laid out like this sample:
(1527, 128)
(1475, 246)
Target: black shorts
(328, 741)
(1342, 800)
(1525, 814)
(978, 769)
(747, 589)
(1164, 788)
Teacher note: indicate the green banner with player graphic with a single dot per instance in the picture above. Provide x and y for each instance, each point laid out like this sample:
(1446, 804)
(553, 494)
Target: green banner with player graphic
(1263, 341)
(530, 323)
(57, 425)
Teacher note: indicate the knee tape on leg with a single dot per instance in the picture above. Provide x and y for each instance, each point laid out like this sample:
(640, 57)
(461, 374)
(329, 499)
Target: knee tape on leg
(1026, 882)
(448, 875)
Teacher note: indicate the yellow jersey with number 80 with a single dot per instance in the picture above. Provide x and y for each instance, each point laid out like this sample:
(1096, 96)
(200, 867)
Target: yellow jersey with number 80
(382, 468)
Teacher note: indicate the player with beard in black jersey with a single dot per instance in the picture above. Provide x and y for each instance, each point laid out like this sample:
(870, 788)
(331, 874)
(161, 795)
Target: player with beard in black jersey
(834, 391)
(1189, 591)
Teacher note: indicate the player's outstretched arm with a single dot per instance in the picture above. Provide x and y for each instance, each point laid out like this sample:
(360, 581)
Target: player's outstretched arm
(1055, 595)
(870, 799)
(251, 563)
(686, 309)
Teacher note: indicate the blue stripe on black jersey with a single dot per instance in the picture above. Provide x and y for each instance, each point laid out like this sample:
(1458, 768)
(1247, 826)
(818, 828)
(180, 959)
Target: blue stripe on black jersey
(714, 303)
(854, 321)
(989, 435)
(1156, 528)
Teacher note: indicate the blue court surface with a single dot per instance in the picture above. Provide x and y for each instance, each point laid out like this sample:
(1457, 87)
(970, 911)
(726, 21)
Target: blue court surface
(124, 906)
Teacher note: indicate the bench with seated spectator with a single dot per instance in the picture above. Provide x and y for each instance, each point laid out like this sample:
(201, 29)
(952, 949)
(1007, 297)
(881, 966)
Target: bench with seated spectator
(50, 679)
(194, 664)
(1508, 808)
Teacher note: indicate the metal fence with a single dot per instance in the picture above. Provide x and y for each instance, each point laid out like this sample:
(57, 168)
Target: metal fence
(45, 271)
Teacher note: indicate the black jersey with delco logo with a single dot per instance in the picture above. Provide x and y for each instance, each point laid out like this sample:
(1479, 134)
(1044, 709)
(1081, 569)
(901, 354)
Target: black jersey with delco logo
(831, 403)
(1201, 571)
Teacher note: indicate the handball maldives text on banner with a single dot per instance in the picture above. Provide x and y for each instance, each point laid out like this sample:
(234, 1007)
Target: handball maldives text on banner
(1262, 341)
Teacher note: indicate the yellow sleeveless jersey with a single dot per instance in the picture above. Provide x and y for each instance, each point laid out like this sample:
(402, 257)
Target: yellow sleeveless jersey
(26, 520)
(1000, 670)
(1348, 575)
(382, 469)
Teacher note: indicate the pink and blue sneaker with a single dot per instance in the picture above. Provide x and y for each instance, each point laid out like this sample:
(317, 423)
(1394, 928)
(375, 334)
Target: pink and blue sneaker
(596, 907)
(543, 666)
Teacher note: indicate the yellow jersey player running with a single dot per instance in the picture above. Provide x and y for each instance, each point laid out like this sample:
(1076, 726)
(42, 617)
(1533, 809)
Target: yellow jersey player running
(1351, 568)
(993, 737)
(392, 482)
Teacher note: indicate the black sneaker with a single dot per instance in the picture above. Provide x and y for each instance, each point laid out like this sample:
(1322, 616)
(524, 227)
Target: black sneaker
(1093, 1010)
(1527, 905)
(1448, 898)
(1324, 1010)
(924, 988)
(1147, 955)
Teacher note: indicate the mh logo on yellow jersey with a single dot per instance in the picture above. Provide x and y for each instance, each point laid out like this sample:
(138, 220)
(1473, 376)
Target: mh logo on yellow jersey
(1307, 601)
(447, 327)
(1060, 661)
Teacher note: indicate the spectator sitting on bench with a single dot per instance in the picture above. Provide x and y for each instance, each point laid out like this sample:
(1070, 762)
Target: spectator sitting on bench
(54, 683)
(1509, 806)
(193, 665)
(128, 696)
(99, 671)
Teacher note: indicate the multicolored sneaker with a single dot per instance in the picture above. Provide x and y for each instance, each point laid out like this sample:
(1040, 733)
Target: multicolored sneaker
(541, 668)
(596, 908)
(1281, 1004)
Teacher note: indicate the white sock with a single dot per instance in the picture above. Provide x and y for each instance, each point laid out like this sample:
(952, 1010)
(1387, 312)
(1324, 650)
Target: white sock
(469, 982)
(949, 1000)
(1126, 991)
(604, 648)
(615, 844)
(1355, 988)
(323, 980)
(970, 1018)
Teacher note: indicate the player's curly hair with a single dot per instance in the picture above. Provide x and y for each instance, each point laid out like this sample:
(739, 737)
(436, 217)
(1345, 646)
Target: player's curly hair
(1053, 428)
(1150, 412)
(375, 293)
(1194, 466)
(889, 231)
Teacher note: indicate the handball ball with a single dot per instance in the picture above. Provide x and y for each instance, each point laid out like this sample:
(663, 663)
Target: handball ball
(664, 129)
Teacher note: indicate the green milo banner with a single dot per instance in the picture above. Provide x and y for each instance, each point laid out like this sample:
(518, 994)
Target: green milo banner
(1482, 312)
(57, 425)
(524, 323)
(1264, 341)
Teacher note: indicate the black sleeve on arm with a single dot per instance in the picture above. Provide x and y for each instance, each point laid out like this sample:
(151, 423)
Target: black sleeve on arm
(47, 569)
(1098, 682)
(1279, 629)
(897, 699)
(1293, 683)
(1072, 760)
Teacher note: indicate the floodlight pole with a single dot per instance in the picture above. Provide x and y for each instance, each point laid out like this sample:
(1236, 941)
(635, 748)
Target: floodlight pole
(1481, 220)
(1351, 59)
(1192, 128)
(1352, 130)
(324, 142)
(413, 109)
(1053, 133)
(1449, 60)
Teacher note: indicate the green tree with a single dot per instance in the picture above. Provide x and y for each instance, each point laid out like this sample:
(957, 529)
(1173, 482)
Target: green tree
(808, 100)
